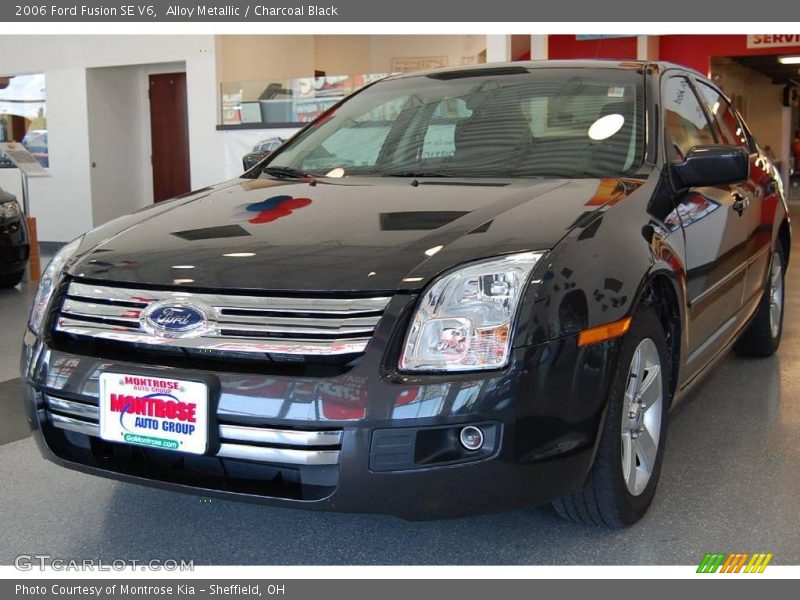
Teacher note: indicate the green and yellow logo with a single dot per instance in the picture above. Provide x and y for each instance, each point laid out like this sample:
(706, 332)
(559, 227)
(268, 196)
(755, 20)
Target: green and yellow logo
(736, 562)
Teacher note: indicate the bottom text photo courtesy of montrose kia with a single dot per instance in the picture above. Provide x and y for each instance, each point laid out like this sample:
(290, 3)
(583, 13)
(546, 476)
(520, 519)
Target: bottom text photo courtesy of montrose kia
(123, 589)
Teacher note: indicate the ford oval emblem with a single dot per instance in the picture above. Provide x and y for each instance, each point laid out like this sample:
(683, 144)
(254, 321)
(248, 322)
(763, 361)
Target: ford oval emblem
(176, 319)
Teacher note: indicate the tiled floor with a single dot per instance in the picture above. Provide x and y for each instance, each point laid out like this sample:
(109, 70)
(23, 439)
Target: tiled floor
(14, 306)
(729, 483)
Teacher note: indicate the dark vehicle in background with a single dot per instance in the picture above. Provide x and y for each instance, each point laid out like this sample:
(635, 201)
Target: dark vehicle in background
(456, 292)
(260, 151)
(14, 243)
(35, 141)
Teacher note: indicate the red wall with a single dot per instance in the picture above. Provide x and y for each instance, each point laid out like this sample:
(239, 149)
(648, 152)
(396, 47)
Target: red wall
(567, 46)
(693, 51)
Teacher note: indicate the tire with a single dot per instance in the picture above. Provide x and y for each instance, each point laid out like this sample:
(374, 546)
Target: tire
(11, 279)
(763, 335)
(609, 498)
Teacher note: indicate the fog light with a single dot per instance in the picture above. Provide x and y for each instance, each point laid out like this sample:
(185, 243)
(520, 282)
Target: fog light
(471, 438)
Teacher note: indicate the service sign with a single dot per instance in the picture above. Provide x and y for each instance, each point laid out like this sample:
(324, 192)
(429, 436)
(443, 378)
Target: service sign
(169, 414)
(774, 41)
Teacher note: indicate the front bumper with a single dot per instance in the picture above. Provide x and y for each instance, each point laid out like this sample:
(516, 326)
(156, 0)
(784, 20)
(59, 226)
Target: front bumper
(396, 453)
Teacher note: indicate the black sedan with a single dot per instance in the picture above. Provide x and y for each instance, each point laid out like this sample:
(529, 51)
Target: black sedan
(261, 151)
(457, 291)
(14, 244)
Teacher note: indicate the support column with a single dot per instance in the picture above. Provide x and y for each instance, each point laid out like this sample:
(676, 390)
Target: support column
(498, 48)
(539, 46)
(785, 151)
(647, 47)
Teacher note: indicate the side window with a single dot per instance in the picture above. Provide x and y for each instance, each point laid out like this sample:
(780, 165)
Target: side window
(727, 124)
(685, 121)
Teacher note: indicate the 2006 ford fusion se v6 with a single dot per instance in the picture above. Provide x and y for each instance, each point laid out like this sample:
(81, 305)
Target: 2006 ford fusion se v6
(455, 292)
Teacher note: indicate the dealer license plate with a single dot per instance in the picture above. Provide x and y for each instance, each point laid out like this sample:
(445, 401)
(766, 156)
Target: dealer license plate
(153, 411)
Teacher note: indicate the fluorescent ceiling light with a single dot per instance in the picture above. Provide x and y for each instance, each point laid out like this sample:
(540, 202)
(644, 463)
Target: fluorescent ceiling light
(789, 60)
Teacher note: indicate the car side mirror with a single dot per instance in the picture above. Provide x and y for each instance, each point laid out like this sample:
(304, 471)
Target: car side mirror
(712, 165)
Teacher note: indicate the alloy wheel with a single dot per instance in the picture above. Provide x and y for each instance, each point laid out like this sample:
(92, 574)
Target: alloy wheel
(641, 417)
(775, 295)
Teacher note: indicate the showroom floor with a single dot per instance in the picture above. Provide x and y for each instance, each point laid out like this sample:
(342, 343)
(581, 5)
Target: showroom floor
(729, 484)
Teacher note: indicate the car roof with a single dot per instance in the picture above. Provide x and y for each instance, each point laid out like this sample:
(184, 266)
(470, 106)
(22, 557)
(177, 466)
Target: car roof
(499, 67)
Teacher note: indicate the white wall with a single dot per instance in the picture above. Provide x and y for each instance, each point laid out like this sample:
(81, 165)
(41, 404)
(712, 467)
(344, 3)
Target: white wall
(63, 203)
(119, 137)
(262, 57)
(259, 58)
(343, 54)
(459, 49)
(116, 141)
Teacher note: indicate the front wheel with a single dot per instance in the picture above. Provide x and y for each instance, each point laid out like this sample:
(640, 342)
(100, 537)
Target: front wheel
(763, 336)
(622, 482)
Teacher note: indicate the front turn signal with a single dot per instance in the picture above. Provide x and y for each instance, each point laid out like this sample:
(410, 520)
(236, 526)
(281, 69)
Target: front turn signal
(604, 332)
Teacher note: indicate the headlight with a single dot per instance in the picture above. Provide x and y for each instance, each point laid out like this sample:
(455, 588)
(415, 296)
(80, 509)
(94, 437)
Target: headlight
(50, 277)
(465, 317)
(9, 210)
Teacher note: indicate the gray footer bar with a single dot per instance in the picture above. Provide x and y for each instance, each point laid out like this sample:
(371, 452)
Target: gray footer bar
(732, 587)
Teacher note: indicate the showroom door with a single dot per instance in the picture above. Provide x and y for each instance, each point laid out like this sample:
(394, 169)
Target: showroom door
(169, 131)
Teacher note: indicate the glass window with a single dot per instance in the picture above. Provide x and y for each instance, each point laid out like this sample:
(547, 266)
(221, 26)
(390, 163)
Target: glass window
(298, 100)
(537, 123)
(684, 119)
(23, 115)
(728, 127)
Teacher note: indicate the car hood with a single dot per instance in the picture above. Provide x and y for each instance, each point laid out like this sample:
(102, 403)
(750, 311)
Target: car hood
(361, 235)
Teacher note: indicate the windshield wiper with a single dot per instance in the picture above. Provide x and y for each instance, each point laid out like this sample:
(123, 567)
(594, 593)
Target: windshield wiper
(415, 174)
(285, 172)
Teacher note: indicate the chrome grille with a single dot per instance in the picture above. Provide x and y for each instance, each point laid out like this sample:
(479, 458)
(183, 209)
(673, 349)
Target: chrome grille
(257, 324)
(259, 444)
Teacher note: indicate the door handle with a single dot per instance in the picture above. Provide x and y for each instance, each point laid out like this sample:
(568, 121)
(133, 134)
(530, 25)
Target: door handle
(740, 203)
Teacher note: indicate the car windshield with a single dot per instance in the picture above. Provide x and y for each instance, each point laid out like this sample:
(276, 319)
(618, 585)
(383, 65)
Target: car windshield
(493, 123)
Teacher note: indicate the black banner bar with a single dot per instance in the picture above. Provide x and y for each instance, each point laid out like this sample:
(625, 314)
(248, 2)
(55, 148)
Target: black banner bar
(265, 11)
